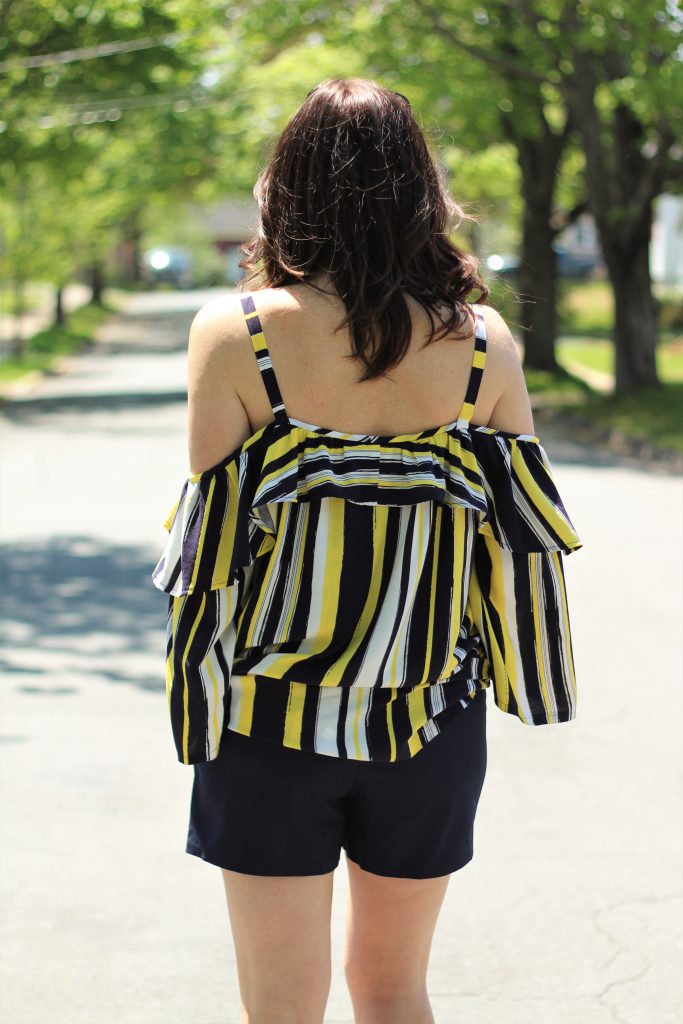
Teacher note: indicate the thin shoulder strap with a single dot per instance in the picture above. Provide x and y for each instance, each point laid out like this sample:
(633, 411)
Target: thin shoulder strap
(477, 368)
(263, 358)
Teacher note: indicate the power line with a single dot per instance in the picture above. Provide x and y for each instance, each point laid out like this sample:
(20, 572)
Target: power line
(90, 52)
(113, 109)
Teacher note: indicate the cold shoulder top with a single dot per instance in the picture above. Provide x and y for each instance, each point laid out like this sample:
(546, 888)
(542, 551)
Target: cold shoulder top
(349, 594)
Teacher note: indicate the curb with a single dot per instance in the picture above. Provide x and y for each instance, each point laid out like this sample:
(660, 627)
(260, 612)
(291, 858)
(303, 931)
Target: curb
(23, 386)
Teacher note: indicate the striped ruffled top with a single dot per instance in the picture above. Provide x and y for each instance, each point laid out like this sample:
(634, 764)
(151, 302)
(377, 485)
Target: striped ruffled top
(348, 594)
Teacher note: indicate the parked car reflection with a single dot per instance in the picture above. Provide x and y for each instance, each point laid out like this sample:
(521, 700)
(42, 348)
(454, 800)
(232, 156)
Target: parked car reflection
(168, 266)
(575, 266)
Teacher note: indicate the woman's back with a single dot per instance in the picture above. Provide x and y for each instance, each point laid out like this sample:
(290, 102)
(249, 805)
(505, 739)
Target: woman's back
(319, 378)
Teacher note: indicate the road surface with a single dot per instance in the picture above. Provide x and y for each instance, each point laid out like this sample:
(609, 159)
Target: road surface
(571, 908)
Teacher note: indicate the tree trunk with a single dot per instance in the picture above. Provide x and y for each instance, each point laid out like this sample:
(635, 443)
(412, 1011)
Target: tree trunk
(538, 282)
(137, 257)
(60, 318)
(622, 181)
(96, 282)
(635, 322)
(130, 249)
(18, 341)
(538, 157)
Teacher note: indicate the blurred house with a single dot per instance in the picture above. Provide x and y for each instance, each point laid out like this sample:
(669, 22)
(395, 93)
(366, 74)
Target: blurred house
(228, 224)
(666, 247)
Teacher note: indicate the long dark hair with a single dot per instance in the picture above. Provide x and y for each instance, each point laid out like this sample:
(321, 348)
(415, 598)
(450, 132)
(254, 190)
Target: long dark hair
(351, 191)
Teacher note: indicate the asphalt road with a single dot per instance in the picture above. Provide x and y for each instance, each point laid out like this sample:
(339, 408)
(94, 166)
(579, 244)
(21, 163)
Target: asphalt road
(571, 908)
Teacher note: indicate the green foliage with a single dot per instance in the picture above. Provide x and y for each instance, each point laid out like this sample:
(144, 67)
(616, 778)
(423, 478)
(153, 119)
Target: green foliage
(430, 51)
(85, 143)
(254, 102)
(88, 146)
(486, 184)
(47, 345)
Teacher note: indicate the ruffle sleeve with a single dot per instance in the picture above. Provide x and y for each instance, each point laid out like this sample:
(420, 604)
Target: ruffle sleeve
(518, 595)
(201, 635)
(204, 568)
(524, 510)
(213, 532)
(227, 517)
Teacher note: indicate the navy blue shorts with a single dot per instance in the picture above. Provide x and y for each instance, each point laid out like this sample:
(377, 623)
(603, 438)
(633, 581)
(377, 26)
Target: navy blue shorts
(263, 809)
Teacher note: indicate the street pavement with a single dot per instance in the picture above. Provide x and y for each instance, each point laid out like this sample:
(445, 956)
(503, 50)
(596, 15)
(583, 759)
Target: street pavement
(571, 909)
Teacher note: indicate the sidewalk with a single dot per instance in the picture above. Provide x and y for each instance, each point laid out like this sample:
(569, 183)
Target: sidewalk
(141, 350)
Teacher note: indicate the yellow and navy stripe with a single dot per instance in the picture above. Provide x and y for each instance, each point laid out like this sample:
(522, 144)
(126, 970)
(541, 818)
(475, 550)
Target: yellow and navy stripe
(350, 594)
(263, 357)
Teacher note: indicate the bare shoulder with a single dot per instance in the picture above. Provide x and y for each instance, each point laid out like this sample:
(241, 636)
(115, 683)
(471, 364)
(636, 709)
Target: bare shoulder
(217, 420)
(215, 343)
(220, 314)
(500, 340)
(219, 335)
(218, 340)
(512, 411)
(218, 318)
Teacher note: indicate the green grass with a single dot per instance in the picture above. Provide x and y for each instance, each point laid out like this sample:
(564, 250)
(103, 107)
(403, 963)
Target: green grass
(45, 346)
(653, 415)
(599, 355)
(585, 312)
(585, 307)
(594, 355)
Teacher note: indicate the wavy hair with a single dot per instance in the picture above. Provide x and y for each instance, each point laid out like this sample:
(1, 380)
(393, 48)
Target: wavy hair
(351, 191)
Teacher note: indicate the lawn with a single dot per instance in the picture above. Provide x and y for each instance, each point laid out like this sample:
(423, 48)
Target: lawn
(585, 312)
(585, 307)
(599, 355)
(45, 346)
(653, 415)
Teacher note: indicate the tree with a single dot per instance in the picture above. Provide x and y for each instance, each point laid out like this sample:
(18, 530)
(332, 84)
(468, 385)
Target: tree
(615, 71)
(480, 93)
(101, 105)
(534, 121)
(543, 74)
(623, 82)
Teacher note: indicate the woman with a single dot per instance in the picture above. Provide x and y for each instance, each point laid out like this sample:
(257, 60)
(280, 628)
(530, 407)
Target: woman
(345, 579)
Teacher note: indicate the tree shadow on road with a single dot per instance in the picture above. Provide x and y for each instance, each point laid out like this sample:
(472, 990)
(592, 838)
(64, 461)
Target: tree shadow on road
(78, 607)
